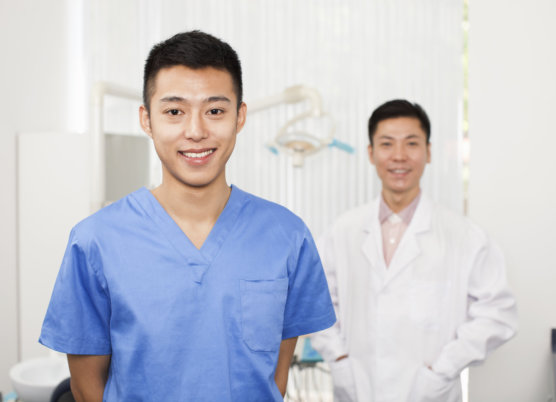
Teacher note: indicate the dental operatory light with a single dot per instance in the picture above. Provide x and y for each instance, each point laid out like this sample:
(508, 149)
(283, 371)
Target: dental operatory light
(293, 138)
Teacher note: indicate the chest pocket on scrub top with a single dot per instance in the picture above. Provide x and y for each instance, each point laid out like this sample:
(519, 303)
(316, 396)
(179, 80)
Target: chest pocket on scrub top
(262, 313)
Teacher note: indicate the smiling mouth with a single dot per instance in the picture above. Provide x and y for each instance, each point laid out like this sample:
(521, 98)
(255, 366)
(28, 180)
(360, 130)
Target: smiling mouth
(197, 154)
(399, 171)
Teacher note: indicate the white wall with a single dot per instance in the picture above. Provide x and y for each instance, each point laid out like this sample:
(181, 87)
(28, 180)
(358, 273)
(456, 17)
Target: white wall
(34, 90)
(51, 53)
(358, 54)
(512, 186)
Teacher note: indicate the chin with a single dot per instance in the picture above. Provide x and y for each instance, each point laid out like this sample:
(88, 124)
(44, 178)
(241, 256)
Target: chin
(197, 184)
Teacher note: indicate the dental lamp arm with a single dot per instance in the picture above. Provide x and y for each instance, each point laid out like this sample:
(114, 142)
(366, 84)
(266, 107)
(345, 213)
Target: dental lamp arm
(294, 94)
(341, 145)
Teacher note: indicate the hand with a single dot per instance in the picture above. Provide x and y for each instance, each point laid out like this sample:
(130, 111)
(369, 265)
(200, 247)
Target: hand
(343, 381)
(429, 386)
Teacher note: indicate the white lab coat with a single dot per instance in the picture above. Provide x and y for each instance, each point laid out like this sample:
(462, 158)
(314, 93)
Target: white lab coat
(443, 302)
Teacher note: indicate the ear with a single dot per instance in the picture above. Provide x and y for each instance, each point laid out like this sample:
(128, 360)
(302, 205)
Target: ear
(145, 120)
(241, 116)
(370, 151)
(429, 152)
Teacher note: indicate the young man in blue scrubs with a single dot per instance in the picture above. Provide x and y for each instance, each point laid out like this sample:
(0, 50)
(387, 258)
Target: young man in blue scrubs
(194, 291)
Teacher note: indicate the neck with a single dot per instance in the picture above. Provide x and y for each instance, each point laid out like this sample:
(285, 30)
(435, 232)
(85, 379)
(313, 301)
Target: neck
(397, 202)
(193, 204)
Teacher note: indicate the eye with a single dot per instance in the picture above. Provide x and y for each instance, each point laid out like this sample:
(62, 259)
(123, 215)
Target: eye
(173, 112)
(413, 144)
(385, 144)
(215, 112)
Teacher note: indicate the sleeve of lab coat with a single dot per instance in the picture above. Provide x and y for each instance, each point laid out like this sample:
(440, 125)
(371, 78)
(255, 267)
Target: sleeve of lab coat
(330, 342)
(491, 311)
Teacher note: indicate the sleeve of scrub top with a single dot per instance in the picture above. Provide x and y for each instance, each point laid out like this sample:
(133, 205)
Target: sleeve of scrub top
(330, 343)
(491, 310)
(308, 306)
(77, 319)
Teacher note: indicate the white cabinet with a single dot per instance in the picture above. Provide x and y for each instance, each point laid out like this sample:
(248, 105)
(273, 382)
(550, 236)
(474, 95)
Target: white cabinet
(53, 191)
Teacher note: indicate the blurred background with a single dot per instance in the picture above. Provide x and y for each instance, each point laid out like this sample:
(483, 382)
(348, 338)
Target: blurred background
(483, 70)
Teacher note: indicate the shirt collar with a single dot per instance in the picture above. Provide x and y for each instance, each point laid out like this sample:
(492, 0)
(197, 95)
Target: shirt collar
(406, 214)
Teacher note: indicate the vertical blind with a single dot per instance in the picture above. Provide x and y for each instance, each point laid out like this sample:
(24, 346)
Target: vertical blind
(356, 53)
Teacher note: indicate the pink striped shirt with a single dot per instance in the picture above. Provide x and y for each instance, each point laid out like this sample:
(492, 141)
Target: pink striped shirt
(394, 225)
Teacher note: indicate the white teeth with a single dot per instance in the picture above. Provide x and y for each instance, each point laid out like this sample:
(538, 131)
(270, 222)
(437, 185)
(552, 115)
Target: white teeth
(397, 171)
(198, 154)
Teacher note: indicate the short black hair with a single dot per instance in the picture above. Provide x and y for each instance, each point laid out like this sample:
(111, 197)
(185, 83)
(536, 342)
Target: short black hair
(193, 49)
(399, 108)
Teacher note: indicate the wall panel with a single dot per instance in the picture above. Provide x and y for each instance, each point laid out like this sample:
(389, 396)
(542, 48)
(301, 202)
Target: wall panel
(358, 54)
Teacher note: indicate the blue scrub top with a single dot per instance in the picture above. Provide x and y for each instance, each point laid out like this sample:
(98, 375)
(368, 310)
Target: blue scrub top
(184, 324)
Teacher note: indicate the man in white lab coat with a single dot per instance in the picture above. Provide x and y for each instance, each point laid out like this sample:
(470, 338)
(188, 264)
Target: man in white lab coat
(420, 292)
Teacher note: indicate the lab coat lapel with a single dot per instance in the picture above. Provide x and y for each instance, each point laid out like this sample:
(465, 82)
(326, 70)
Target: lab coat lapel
(372, 241)
(409, 248)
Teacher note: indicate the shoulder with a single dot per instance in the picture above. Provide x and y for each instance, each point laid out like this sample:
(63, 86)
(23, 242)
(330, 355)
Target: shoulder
(353, 220)
(460, 226)
(270, 213)
(356, 214)
(110, 218)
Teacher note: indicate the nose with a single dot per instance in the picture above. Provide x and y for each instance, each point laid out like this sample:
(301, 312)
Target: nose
(399, 152)
(195, 129)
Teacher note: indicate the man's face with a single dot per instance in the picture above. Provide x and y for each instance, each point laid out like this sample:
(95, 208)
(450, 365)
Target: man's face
(193, 122)
(400, 153)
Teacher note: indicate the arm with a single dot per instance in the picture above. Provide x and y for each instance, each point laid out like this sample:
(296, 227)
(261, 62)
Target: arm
(330, 343)
(88, 376)
(287, 348)
(492, 314)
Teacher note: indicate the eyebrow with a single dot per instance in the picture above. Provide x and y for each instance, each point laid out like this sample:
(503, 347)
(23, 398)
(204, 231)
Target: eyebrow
(388, 137)
(411, 136)
(180, 99)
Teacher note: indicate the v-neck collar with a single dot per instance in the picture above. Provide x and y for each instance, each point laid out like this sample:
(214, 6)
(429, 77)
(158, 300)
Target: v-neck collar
(198, 260)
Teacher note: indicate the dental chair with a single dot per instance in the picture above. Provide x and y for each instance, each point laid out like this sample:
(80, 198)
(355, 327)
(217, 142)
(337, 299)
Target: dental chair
(62, 393)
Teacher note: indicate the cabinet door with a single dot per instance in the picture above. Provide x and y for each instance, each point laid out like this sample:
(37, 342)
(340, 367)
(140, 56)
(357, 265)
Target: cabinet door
(52, 196)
